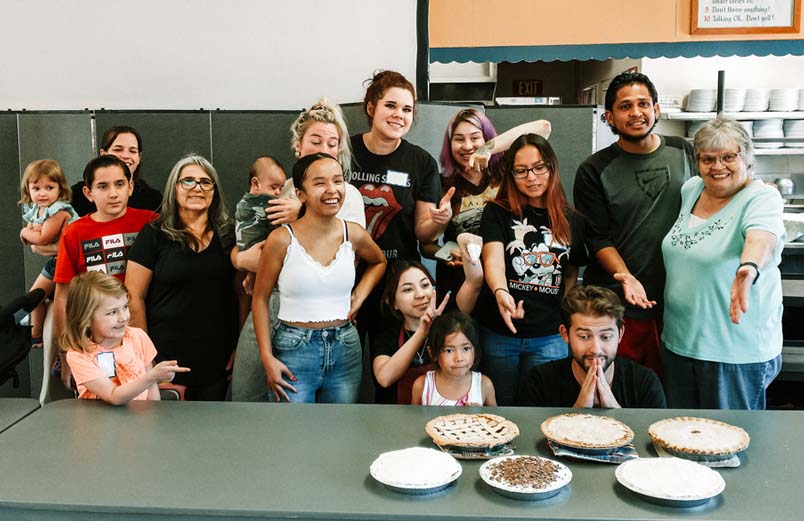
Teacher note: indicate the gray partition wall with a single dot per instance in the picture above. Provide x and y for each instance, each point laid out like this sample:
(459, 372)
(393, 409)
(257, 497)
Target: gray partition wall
(166, 137)
(238, 138)
(232, 140)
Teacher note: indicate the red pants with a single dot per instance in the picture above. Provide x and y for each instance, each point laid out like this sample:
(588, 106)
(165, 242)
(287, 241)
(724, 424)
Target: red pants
(640, 343)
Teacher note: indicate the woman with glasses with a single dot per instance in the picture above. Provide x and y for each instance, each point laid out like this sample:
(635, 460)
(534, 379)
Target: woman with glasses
(722, 332)
(532, 247)
(181, 280)
(470, 157)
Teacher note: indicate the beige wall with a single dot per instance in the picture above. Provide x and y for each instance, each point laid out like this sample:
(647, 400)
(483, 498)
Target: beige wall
(482, 23)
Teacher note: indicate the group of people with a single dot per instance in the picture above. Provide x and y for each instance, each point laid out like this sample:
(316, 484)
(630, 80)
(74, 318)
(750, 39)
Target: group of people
(151, 288)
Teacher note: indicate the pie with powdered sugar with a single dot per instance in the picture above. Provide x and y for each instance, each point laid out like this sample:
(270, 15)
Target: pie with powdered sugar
(587, 431)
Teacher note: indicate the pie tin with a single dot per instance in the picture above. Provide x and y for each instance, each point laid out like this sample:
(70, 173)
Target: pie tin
(629, 434)
(510, 491)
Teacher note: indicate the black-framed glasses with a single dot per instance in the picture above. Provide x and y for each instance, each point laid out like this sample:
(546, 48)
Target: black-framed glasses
(539, 170)
(189, 183)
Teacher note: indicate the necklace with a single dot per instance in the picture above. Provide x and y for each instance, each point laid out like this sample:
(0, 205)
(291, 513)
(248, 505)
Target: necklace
(404, 336)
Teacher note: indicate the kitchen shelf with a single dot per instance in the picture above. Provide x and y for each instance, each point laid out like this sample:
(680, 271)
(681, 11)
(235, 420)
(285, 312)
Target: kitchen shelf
(784, 151)
(705, 116)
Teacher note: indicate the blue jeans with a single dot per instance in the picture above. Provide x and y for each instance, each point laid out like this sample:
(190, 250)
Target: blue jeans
(701, 384)
(507, 360)
(327, 362)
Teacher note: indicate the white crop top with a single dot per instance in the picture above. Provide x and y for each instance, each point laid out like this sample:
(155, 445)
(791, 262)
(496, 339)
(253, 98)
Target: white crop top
(310, 292)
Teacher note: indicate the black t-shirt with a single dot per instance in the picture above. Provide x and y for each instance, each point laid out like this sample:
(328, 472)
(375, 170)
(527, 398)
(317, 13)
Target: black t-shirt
(553, 385)
(534, 268)
(143, 197)
(467, 211)
(387, 342)
(390, 186)
(191, 305)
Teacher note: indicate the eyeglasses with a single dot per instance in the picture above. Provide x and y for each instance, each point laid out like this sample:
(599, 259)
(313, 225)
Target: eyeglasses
(189, 183)
(725, 159)
(539, 170)
(544, 259)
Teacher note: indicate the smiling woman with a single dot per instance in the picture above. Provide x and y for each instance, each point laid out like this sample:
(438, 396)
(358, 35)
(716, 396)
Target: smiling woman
(399, 181)
(126, 144)
(722, 320)
(314, 353)
(181, 280)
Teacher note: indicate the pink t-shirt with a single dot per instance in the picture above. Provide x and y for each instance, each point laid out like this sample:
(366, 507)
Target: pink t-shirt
(130, 361)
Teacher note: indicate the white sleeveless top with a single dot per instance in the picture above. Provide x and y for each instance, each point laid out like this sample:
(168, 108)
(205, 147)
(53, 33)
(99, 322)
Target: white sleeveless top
(310, 292)
(430, 395)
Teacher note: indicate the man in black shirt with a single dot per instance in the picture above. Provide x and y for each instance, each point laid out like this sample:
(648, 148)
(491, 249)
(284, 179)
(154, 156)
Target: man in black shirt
(592, 325)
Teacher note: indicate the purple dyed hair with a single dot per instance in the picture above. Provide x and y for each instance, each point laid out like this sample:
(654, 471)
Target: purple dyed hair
(477, 119)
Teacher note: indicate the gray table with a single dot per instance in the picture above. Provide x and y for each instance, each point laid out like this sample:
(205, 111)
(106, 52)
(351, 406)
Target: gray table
(85, 460)
(13, 410)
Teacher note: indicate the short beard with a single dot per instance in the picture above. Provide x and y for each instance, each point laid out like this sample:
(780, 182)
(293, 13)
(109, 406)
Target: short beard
(634, 139)
(606, 362)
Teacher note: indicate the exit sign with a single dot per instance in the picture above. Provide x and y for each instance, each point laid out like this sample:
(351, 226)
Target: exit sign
(530, 88)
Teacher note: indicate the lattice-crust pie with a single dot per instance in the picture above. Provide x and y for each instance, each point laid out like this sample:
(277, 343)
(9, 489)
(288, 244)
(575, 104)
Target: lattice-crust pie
(587, 431)
(471, 430)
(698, 436)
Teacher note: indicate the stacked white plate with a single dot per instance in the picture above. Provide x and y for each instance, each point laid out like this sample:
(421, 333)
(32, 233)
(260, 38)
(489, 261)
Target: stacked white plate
(801, 99)
(693, 127)
(748, 126)
(756, 100)
(794, 128)
(783, 100)
(701, 100)
(733, 100)
(768, 128)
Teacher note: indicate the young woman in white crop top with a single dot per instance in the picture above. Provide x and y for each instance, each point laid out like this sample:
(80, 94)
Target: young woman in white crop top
(314, 354)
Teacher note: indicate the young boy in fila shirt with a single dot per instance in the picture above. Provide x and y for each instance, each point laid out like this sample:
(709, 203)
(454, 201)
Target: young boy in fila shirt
(98, 241)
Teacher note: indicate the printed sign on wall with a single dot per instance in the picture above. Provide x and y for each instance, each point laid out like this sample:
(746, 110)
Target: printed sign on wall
(745, 16)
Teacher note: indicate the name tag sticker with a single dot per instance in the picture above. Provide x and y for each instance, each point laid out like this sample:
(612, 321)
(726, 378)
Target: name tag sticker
(106, 363)
(396, 178)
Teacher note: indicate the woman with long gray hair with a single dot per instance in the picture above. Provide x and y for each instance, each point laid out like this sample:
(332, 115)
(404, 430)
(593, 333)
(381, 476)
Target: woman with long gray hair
(181, 280)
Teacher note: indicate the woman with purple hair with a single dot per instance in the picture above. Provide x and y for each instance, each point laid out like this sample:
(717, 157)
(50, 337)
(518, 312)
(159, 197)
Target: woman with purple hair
(469, 158)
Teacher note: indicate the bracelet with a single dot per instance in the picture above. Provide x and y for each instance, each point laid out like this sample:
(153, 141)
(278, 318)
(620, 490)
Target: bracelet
(753, 265)
(501, 289)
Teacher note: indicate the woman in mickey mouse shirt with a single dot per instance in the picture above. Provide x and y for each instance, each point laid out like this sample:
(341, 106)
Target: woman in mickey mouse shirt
(532, 248)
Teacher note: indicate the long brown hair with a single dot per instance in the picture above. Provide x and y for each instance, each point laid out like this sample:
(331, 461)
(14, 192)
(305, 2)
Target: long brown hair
(511, 199)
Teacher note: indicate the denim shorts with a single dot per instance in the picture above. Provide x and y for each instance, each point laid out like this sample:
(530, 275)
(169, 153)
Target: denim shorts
(506, 360)
(327, 362)
(49, 269)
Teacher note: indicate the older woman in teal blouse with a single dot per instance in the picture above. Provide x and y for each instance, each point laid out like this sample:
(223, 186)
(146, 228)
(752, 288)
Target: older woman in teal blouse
(723, 299)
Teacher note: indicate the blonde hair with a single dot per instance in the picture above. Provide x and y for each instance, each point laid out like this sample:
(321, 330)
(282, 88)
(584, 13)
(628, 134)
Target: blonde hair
(44, 168)
(83, 299)
(324, 111)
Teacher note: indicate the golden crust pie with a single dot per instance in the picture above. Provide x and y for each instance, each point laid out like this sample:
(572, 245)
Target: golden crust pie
(471, 430)
(698, 436)
(587, 431)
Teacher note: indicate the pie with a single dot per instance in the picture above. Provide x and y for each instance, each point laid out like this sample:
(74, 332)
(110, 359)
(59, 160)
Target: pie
(415, 468)
(698, 437)
(670, 479)
(587, 431)
(473, 436)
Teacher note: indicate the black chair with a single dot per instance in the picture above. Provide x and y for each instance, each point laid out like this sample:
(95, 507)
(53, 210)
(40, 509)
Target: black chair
(15, 340)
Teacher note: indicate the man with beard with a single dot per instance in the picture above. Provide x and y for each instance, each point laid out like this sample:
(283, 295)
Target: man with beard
(630, 193)
(592, 325)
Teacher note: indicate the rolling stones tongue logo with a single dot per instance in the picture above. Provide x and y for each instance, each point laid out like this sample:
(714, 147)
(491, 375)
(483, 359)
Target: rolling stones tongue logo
(381, 207)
